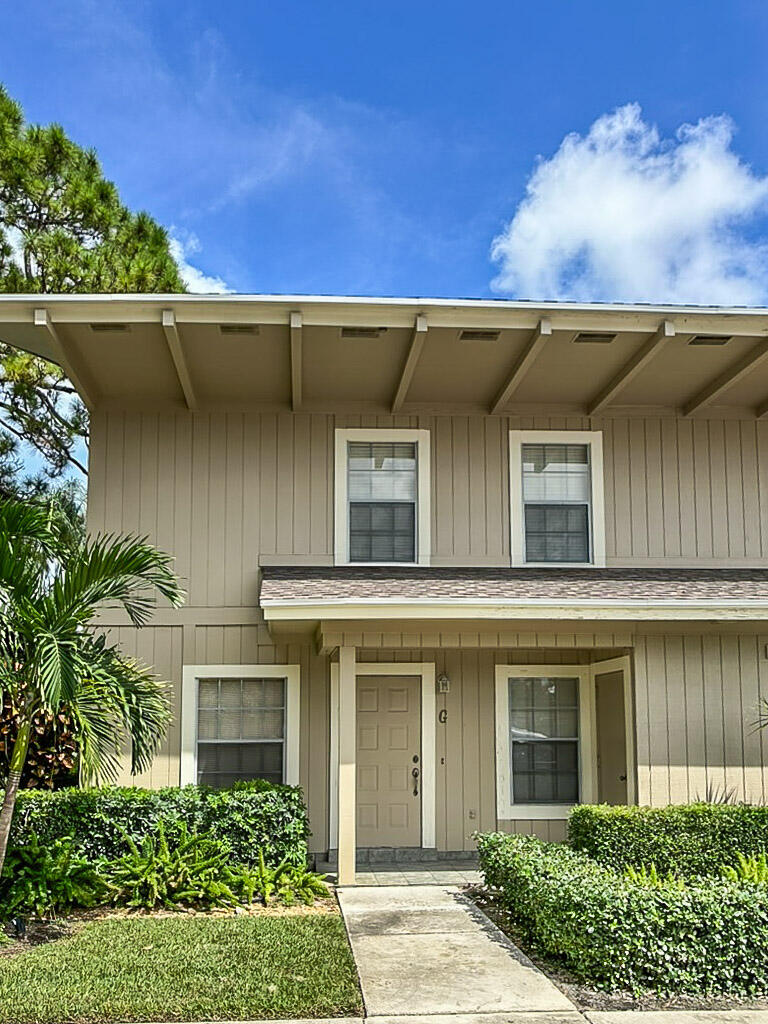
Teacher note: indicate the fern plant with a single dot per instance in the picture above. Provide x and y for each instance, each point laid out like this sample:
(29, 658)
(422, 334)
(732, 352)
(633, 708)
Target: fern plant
(747, 869)
(41, 879)
(649, 876)
(307, 885)
(261, 881)
(192, 869)
(285, 883)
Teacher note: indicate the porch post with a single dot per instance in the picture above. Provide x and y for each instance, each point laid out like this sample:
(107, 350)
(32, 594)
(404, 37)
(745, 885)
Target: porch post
(347, 796)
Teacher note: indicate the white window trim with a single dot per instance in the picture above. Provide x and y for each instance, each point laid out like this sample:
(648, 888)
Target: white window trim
(423, 485)
(593, 438)
(506, 810)
(192, 674)
(426, 670)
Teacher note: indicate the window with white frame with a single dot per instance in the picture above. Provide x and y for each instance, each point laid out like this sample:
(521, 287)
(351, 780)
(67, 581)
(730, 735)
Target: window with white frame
(557, 497)
(382, 496)
(240, 723)
(544, 739)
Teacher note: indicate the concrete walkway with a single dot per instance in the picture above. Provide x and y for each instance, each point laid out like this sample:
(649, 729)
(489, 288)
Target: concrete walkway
(426, 951)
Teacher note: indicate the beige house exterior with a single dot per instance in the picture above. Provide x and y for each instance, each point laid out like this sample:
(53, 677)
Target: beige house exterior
(450, 565)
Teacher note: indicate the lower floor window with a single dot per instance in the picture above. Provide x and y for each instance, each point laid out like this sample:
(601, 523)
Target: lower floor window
(544, 740)
(241, 726)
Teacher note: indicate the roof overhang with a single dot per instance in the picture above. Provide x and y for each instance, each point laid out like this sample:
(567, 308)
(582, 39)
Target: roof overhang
(296, 597)
(312, 613)
(316, 353)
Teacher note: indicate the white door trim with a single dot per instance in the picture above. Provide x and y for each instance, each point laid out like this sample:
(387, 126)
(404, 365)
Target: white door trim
(426, 670)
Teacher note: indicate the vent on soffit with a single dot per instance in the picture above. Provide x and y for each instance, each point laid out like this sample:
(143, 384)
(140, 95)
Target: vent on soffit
(479, 335)
(110, 328)
(362, 332)
(238, 329)
(594, 338)
(709, 339)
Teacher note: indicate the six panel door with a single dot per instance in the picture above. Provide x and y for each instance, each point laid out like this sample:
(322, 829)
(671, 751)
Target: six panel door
(388, 755)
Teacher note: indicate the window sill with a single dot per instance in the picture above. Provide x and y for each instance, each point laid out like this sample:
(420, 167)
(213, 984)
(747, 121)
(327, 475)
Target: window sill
(383, 565)
(558, 565)
(535, 812)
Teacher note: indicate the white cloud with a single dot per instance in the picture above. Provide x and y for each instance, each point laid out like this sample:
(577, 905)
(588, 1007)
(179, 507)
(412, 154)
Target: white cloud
(622, 214)
(182, 246)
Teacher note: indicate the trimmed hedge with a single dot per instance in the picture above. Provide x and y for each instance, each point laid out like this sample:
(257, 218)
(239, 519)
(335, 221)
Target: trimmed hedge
(706, 938)
(692, 839)
(247, 817)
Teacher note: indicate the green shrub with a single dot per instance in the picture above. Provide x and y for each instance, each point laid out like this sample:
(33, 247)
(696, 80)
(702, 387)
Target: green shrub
(692, 839)
(191, 869)
(707, 937)
(248, 817)
(41, 879)
(748, 869)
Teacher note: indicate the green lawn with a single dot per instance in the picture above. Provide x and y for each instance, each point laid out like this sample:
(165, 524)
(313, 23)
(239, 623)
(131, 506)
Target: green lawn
(196, 968)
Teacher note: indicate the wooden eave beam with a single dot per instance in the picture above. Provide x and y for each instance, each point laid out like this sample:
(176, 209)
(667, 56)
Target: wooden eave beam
(522, 365)
(632, 367)
(418, 337)
(297, 376)
(69, 361)
(756, 355)
(171, 332)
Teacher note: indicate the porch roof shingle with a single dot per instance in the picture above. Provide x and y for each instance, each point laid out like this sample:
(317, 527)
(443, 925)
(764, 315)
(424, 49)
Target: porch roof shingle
(289, 584)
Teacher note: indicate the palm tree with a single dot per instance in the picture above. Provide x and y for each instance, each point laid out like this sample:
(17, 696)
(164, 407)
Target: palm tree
(52, 582)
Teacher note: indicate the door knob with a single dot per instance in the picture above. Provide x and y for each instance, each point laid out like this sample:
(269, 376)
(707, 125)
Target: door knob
(415, 774)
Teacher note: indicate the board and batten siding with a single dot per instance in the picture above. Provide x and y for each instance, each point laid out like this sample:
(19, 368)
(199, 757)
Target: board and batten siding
(222, 490)
(696, 699)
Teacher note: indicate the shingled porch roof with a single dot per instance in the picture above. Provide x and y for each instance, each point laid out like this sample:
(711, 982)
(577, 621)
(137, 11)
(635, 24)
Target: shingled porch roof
(362, 591)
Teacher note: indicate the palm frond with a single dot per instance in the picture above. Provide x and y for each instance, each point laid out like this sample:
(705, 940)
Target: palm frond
(119, 700)
(114, 570)
(58, 667)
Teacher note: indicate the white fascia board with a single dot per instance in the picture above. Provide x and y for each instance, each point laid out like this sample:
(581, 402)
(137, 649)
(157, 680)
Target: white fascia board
(190, 298)
(275, 611)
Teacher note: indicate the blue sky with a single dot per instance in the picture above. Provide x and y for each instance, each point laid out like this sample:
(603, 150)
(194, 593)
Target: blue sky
(363, 148)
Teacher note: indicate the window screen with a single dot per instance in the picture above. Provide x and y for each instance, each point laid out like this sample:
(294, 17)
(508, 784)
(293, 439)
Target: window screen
(544, 740)
(382, 495)
(556, 499)
(240, 730)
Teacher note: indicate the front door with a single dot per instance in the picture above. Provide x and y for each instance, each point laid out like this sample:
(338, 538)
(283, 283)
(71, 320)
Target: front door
(611, 733)
(388, 761)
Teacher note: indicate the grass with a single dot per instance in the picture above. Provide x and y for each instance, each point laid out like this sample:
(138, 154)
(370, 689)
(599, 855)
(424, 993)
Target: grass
(195, 968)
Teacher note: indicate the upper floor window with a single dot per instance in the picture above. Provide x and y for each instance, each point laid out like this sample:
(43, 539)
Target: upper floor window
(556, 484)
(382, 496)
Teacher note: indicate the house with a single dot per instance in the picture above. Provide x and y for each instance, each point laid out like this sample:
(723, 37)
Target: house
(451, 565)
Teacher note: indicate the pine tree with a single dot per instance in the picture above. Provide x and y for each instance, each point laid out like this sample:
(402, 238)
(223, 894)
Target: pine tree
(63, 228)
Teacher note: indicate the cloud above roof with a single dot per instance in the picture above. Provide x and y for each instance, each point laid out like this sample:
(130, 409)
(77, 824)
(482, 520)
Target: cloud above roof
(183, 245)
(622, 214)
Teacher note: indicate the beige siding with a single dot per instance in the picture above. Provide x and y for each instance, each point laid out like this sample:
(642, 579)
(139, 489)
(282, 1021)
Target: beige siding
(697, 701)
(222, 490)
